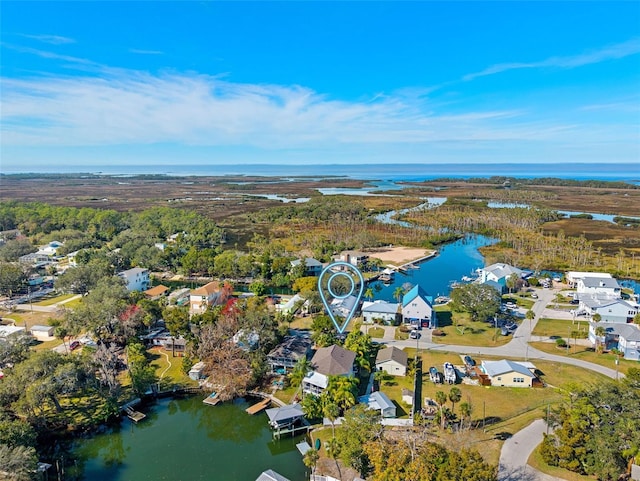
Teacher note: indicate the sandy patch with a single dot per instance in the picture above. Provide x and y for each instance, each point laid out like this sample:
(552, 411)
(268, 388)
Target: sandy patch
(400, 255)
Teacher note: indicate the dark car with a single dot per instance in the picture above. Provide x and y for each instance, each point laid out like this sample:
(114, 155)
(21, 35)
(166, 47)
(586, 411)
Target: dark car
(74, 345)
(469, 361)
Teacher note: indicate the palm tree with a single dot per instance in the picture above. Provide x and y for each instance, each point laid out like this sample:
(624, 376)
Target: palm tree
(310, 459)
(300, 370)
(333, 448)
(600, 333)
(398, 293)
(530, 315)
(331, 411)
(465, 411)
(342, 391)
(454, 396)
(368, 294)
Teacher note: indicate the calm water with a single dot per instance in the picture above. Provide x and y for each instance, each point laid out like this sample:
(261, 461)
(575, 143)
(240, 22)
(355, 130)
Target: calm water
(186, 440)
(453, 261)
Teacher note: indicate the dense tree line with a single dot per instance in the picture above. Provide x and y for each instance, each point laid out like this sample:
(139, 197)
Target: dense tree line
(597, 430)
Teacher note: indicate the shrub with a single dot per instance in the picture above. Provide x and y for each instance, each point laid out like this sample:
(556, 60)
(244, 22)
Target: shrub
(437, 332)
(561, 343)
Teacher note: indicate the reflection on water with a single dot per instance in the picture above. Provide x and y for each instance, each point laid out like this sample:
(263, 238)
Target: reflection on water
(188, 440)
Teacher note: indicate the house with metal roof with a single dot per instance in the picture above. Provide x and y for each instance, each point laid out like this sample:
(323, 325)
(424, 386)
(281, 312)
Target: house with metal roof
(392, 360)
(379, 401)
(611, 310)
(312, 267)
(509, 373)
(284, 416)
(271, 475)
(598, 288)
(417, 308)
(623, 337)
(497, 274)
(387, 312)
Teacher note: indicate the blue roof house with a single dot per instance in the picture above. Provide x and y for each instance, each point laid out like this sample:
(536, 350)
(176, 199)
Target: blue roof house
(417, 309)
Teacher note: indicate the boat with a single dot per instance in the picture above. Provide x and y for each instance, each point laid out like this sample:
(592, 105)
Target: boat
(450, 375)
(435, 375)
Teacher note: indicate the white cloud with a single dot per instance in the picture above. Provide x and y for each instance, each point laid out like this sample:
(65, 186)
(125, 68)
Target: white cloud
(50, 39)
(611, 52)
(145, 52)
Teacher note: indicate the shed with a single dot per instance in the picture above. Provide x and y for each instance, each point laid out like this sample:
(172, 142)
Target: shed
(380, 402)
(42, 333)
(196, 371)
(407, 396)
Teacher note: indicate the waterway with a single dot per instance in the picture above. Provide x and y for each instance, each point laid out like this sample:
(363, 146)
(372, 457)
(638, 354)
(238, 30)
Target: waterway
(186, 440)
(453, 261)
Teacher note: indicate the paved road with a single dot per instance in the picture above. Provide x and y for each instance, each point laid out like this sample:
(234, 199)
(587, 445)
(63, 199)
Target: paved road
(516, 451)
(517, 347)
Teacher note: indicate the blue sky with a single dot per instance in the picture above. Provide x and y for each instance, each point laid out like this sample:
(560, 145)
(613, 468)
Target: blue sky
(163, 83)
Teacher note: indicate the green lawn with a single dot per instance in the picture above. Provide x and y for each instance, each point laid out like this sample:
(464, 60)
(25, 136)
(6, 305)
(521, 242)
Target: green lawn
(376, 332)
(54, 300)
(558, 327)
(520, 301)
(584, 353)
(73, 304)
(169, 371)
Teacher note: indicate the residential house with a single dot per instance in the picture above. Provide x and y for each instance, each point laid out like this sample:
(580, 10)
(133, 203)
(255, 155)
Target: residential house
(42, 333)
(202, 298)
(136, 279)
(156, 292)
(386, 312)
(6, 331)
(509, 373)
(34, 258)
(392, 360)
(344, 306)
(572, 277)
(247, 341)
(623, 337)
(379, 401)
(496, 275)
(598, 288)
(175, 345)
(609, 309)
(292, 305)
(312, 267)
(355, 258)
(417, 309)
(179, 297)
(328, 361)
(286, 354)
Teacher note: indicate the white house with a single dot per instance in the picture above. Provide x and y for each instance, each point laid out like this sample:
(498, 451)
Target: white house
(136, 279)
(271, 475)
(598, 287)
(572, 277)
(392, 360)
(379, 401)
(328, 361)
(498, 273)
(508, 373)
(417, 309)
(384, 311)
(354, 258)
(197, 371)
(609, 309)
(624, 337)
(8, 330)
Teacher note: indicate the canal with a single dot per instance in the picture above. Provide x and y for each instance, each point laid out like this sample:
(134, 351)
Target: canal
(186, 440)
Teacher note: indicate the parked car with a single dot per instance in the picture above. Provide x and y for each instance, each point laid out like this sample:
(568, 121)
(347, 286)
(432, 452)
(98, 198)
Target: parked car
(534, 295)
(414, 334)
(469, 361)
(74, 345)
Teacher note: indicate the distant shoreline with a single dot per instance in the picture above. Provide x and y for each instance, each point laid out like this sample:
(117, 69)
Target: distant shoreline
(392, 172)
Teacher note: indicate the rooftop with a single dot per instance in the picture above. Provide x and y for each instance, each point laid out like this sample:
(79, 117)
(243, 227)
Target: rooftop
(392, 354)
(206, 290)
(333, 360)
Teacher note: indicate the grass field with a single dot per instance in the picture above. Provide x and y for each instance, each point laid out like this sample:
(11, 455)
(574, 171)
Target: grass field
(54, 300)
(584, 353)
(169, 369)
(558, 327)
(460, 330)
(28, 318)
(376, 332)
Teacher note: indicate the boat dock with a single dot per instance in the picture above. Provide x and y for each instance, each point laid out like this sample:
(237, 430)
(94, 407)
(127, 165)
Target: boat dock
(212, 399)
(256, 408)
(135, 416)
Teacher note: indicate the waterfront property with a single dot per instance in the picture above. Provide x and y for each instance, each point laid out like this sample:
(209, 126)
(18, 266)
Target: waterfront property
(286, 354)
(598, 288)
(610, 310)
(572, 277)
(496, 275)
(379, 401)
(197, 371)
(328, 361)
(383, 311)
(417, 309)
(271, 475)
(211, 294)
(312, 267)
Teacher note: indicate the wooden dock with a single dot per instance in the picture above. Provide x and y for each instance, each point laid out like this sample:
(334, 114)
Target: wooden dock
(256, 408)
(212, 399)
(135, 416)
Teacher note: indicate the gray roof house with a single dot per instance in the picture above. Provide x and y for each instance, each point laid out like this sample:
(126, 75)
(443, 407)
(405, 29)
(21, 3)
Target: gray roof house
(611, 310)
(284, 416)
(379, 401)
(392, 360)
(599, 287)
(624, 337)
(380, 310)
(328, 361)
(312, 267)
(508, 373)
(286, 354)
